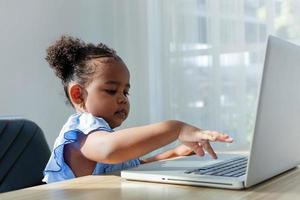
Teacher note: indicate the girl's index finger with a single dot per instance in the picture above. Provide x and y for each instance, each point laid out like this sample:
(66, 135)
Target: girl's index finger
(224, 138)
(213, 136)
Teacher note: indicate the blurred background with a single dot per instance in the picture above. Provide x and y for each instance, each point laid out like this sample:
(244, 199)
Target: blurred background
(199, 61)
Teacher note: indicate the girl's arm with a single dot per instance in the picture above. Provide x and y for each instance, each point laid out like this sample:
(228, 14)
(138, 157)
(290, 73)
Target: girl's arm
(132, 143)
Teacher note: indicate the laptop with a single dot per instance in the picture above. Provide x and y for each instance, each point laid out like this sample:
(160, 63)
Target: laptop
(275, 144)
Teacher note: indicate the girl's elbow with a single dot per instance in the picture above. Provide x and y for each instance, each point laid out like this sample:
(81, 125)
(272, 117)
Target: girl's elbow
(98, 153)
(109, 155)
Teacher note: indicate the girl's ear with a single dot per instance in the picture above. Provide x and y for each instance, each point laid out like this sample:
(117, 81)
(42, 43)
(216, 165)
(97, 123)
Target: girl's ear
(76, 93)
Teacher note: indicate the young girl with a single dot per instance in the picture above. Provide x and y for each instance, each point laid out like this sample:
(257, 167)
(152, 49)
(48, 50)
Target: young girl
(96, 82)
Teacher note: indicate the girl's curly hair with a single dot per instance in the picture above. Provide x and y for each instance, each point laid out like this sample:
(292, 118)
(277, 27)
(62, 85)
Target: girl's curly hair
(69, 58)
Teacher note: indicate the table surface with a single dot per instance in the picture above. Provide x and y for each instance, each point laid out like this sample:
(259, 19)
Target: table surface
(285, 186)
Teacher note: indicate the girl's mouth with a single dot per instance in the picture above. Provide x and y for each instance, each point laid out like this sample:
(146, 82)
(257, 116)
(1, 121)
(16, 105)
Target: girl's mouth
(121, 113)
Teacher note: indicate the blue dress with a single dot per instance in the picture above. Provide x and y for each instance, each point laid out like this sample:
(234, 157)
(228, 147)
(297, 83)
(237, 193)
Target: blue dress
(79, 123)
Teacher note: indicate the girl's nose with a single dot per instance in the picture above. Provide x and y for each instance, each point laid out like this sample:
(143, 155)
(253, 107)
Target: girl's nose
(122, 99)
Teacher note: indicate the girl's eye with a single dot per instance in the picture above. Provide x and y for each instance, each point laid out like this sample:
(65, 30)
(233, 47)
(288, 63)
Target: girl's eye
(111, 92)
(126, 93)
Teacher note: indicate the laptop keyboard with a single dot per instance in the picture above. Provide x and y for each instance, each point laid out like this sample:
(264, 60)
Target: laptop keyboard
(230, 168)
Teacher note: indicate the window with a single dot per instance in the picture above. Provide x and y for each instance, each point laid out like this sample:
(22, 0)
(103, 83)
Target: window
(213, 54)
(203, 59)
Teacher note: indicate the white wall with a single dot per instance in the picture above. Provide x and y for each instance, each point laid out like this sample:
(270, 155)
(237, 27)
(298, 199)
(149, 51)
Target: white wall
(28, 86)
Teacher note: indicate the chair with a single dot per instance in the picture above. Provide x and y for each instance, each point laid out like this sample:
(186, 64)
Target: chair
(24, 153)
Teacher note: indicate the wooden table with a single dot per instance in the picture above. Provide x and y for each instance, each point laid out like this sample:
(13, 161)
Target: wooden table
(285, 186)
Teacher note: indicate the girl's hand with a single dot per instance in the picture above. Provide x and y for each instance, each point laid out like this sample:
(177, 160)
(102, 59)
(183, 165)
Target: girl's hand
(198, 140)
(183, 150)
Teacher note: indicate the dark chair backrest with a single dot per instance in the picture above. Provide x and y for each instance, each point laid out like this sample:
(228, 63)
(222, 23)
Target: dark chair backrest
(24, 153)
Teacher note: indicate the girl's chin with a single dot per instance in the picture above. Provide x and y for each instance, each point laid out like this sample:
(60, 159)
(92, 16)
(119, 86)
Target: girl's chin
(115, 124)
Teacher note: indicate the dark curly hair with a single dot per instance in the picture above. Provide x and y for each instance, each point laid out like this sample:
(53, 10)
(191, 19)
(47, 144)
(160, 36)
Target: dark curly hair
(70, 58)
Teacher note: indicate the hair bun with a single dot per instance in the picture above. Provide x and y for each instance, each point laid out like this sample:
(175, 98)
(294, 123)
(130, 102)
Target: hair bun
(63, 55)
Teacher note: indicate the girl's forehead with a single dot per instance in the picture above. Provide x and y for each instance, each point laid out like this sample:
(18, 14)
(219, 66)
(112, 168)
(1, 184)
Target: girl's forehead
(113, 70)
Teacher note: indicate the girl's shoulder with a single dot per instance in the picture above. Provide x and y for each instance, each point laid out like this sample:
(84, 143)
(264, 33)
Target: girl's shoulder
(85, 123)
(80, 123)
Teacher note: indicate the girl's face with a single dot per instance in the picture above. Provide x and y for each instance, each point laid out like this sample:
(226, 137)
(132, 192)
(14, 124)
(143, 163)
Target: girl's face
(107, 94)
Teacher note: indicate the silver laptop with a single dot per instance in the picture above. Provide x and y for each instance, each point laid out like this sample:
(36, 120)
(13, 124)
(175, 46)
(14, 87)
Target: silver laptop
(275, 145)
